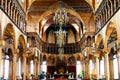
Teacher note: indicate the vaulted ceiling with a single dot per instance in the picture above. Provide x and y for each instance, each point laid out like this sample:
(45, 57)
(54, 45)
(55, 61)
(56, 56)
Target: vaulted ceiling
(79, 12)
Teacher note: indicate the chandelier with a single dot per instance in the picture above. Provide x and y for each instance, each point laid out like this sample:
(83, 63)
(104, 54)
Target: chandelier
(60, 34)
(60, 19)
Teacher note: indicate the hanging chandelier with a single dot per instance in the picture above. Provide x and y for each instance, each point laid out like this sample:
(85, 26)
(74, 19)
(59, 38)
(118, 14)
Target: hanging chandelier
(60, 17)
(60, 34)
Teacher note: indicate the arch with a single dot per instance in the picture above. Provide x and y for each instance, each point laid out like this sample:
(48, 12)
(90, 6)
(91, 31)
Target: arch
(51, 11)
(71, 60)
(9, 33)
(91, 57)
(59, 61)
(71, 36)
(21, 47)
(21, 40)
(44, 58)
(99, 40)
(110, 30)
(9, 39)
(48, 21)
(78, 57)
(51, 59)
(8, 52)
(51, 37)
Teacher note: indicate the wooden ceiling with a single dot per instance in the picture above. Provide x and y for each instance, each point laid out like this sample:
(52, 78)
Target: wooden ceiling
(81, 7)
(40, 6)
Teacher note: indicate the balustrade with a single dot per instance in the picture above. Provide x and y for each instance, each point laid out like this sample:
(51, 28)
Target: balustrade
(15, 12)
(68, 48)
(105, 11)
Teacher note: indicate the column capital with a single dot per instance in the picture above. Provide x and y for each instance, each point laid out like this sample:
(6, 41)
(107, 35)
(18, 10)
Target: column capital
(97, 54)
(106, 49)
(25, 55)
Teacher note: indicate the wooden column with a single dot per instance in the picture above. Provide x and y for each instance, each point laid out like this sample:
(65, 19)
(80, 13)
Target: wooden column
(14, 66)
(35, 67)
(118, 63)
(1, 60)
(38, 67)
(87, 74)
(107, 66)
(97, 64)
(83, 68)
(28, 68)
(111, 69)
(24, 65)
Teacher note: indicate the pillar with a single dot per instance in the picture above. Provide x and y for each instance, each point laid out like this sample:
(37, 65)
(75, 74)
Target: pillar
(83, 69)
(97, 67)
(118, 63)
(35, 66)
(87, 76)
(111, 69)
(1, 60)
(27, 67)
(14, 66)
(37, 69)
(107, 66)
(40, 68)
(24, 69)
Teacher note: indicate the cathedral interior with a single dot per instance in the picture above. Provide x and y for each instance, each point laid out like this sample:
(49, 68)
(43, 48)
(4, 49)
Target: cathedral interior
(59, 40)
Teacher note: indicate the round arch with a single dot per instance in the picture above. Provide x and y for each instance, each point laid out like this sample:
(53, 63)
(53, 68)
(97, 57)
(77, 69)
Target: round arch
(99, 40)
(71, 60)
(21, 46)
(9, 33)
(78, 57)
(9, 39)
(111, 29)
(51, 59)
(44, 58)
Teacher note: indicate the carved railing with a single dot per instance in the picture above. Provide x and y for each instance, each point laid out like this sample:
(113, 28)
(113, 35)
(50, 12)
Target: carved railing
(15, 13)
(105, 12)
(87, 40)
(68, 48)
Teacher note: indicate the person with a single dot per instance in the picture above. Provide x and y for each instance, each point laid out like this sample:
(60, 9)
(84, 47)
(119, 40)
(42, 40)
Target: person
(42, 76)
